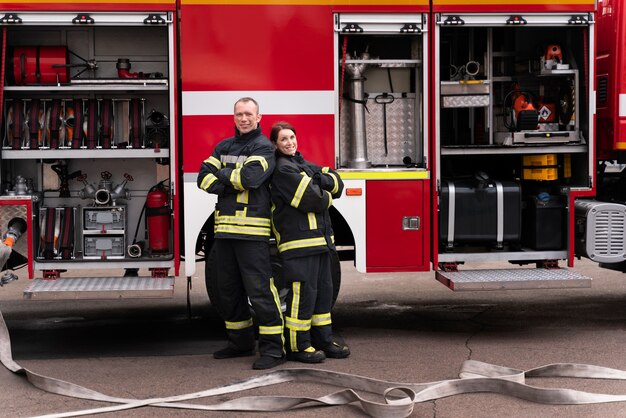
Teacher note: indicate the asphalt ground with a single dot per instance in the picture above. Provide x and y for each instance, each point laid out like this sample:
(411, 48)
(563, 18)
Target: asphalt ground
(402, 327)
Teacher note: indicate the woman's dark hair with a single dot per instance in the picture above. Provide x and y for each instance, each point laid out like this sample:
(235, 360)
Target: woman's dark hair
(277, 127)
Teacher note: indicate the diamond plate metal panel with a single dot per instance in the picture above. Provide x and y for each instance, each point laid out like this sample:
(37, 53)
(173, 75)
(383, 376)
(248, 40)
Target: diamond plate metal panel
(100, 287)
(401, 135)
(510, 279)
(465, 101)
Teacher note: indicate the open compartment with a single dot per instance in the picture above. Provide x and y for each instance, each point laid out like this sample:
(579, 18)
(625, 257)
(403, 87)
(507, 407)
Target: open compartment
(381, 67)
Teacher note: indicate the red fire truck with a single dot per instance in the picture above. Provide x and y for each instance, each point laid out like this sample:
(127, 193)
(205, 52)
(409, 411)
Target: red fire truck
(465, 133)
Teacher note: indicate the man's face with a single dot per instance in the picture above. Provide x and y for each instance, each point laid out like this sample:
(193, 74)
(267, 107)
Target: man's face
(247, 117)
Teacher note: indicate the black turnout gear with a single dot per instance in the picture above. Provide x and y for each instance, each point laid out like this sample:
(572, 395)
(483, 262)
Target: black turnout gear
(302, 192)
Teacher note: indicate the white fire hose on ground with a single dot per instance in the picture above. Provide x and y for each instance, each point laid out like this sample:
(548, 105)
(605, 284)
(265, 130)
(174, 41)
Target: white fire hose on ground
(399, 398)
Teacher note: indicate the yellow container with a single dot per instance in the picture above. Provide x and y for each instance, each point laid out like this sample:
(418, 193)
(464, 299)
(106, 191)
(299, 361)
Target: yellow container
(540, 167)
(541, 160)
(540, 174)
(567, 166)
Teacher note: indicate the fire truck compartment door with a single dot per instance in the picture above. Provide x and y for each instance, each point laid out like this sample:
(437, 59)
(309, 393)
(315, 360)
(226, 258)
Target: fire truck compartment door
(509, 19)
(385, 23)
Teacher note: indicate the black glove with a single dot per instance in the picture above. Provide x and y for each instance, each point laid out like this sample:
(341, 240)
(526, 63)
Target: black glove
(317, 179)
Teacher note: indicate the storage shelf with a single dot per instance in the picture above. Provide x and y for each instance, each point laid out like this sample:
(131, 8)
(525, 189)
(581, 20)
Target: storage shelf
(530, 255)
(87, 264)
(513, 149)
(103, 85)
(10, 154)
(386, 63)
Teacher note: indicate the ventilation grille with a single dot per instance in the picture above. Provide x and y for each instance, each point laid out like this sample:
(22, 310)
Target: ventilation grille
(610, 226)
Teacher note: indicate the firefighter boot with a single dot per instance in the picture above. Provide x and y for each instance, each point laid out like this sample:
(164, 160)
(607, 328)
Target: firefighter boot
(230, 352)
(336, 350)
(309, 355)
(240, 343)
(267, 362)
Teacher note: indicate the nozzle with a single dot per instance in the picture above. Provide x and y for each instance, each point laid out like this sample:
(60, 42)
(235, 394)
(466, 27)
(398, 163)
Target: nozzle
(17, 226)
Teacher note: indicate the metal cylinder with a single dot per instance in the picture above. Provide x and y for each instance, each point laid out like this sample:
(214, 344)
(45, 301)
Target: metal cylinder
(356, 91)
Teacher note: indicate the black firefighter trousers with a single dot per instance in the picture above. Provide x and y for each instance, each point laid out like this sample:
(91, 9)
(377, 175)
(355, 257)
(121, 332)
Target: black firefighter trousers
(244, 271)
(307, 318)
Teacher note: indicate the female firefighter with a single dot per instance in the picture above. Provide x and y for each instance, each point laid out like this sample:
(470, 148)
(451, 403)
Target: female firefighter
(301, 194)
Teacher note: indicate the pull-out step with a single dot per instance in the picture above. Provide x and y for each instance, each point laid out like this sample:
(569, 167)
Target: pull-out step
(100, 288)
(513, 279)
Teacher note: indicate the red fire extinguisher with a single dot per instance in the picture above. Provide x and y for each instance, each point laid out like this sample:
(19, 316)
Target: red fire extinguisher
(158, 217)
(38, 65)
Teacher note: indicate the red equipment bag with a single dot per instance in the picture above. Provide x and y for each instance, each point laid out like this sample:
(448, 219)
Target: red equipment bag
(38, 65)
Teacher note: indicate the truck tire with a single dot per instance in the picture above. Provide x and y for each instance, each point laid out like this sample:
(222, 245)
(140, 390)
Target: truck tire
(212, 291)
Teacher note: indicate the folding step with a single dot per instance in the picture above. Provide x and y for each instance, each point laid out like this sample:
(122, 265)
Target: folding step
(100, 288)
(513, 279)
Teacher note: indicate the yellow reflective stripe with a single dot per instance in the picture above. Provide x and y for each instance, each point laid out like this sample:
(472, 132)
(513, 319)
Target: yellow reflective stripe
(243, 230)
(235, 179)
(208, 180)
(273, 330)
(319, 320)
(276, 298)
(295, 300)
(335, 181)
(295, 307)
(293, 342)
(243, 197)
(312, 220)
(258, 158)
(302, 243)
(325, 169)
(330, 199)
(297, 197)
(243, 220)
(214, 162)
(297, 324)
(332, 239)
(238, 325)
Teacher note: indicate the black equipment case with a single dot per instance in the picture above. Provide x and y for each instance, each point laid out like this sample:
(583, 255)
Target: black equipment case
(479, 211)
(544, 218)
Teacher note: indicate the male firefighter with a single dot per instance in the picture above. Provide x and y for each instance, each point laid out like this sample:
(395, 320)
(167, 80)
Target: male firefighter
(238, 172)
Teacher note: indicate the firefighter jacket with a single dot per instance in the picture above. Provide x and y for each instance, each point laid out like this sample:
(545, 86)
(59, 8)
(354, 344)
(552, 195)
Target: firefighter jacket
(302, 192)
(238, 172)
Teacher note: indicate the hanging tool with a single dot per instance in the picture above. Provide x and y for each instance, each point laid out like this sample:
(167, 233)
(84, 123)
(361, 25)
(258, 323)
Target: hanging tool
(61, 169)
(385, 99)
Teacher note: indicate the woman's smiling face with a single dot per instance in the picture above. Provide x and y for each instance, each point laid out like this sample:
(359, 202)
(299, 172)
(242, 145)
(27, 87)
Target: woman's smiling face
(287, 143)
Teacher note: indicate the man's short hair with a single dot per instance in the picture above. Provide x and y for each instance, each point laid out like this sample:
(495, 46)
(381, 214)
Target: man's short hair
(248, 99)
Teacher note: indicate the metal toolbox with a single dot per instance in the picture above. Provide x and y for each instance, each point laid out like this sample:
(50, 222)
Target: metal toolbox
(104, 218)
(103, 247)
(479, 212)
